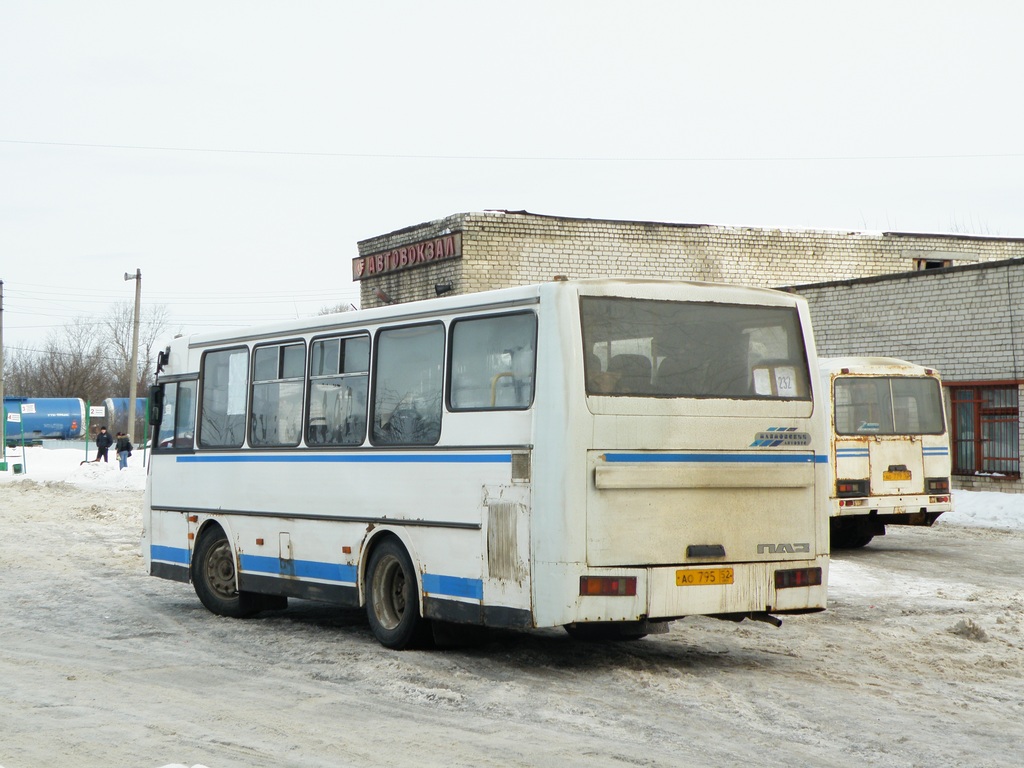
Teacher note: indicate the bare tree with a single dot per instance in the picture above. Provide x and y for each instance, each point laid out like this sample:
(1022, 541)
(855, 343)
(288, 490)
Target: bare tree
(73, 364)
(76, 361)
(20, 367)
(335, 308)
(118, 323)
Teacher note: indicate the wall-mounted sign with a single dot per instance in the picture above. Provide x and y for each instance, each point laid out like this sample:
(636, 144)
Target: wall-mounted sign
(408, 256)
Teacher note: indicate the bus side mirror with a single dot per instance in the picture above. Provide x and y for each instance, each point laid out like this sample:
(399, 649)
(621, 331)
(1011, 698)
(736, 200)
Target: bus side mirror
(162, 358)
(156, 404)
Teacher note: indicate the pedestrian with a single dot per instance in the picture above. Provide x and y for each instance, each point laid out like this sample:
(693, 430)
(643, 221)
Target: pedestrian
(103, 442)
(123, 449)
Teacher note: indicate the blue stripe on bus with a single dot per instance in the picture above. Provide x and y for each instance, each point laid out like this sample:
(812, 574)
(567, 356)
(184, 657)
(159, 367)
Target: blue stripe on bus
(169, 554)
(851, 453)
(347, 458)
(719, 458)
(307, 569)
(453, 586)
(435, 584)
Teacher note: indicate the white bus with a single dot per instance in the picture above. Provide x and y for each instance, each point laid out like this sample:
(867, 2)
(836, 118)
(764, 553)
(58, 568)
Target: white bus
(890, 455)
(601, 455)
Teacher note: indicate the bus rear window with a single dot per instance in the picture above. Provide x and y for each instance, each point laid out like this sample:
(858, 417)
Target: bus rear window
(650, 348)
(880, 405)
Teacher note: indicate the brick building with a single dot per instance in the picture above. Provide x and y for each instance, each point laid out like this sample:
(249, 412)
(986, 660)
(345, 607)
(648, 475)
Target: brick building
(495, 249)
(946, 301)
(967, 322)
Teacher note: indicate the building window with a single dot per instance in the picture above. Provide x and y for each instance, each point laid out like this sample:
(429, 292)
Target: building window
(985, 430)
(922, 264)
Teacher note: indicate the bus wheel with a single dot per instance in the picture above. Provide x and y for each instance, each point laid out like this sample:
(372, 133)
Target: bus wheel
(392, 602)
(213, 577)
(609, 631)
(850, 535)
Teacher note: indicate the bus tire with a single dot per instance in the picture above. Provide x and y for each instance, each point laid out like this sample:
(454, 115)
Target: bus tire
(214, 578)
(850, 535)
(607, 631)
(392, 599)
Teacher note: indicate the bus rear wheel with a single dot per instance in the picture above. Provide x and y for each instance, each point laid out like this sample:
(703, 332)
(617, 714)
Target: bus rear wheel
(392, 601)
(214, 578)
(851, 534)
(613, 631)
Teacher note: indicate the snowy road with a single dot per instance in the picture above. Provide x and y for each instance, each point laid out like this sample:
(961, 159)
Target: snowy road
(918, 662)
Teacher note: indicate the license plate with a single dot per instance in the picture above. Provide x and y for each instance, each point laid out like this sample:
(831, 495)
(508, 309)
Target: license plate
(898, 474)
(703, 576)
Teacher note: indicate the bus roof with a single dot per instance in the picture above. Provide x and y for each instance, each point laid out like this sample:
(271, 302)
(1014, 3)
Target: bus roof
(872, 365)
(498, 298)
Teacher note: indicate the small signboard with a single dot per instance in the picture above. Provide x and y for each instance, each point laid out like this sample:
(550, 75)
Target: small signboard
(28, 407)
(14, 416)
(97, 411)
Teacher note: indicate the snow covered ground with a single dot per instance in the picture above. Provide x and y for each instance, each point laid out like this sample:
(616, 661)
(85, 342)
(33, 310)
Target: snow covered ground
(919, 661)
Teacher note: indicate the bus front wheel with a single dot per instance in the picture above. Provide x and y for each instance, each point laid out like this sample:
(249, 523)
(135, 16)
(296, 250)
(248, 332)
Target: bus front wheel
(214, 578)
(392, 601)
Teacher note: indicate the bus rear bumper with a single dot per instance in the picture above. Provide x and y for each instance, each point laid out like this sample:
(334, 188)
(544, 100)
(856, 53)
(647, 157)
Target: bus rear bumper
(753, 590)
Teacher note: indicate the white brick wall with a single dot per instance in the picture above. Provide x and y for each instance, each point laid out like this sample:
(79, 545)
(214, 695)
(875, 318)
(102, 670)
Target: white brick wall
(502, 249)
(966, 322)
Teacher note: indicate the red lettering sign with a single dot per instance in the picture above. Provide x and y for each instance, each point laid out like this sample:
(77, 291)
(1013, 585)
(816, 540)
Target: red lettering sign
(408, 256)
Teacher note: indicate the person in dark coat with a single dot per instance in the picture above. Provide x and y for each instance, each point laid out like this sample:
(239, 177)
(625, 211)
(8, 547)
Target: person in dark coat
(123, 450)
(103, 442)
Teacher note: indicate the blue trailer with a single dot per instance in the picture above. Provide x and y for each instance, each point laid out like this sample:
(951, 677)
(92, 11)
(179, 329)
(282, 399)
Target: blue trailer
(61, 418)
(117, 413)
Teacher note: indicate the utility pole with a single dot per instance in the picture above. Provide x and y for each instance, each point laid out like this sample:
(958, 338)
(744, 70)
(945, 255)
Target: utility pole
(133, 372)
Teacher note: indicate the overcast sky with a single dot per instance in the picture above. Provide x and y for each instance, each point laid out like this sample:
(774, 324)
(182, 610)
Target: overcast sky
(236, 152)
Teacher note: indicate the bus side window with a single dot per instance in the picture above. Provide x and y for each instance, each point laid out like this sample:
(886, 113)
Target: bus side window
(407, 385)
(185, 417)
(177, 416)
(278, 374)
(338, 378)
(225, 386)
(493, 362)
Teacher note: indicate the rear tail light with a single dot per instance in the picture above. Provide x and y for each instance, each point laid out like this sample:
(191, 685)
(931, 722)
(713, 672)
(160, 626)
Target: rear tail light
(846, 489)
(798, 577)
(937, 484)
(608, 585)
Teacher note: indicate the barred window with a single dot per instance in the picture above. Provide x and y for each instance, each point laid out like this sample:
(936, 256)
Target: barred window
(985, 434)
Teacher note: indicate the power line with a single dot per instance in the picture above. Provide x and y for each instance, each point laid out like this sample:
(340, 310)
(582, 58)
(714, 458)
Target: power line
(519, 158)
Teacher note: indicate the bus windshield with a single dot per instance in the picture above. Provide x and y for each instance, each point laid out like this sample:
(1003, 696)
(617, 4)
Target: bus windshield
(880, 405)
(654, 348)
